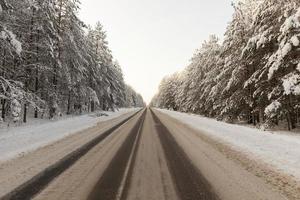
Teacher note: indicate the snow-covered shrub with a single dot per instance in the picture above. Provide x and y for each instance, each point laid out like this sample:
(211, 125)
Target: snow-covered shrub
(16, 109)
(267, 125)
(219, 118)
(229, 119)
(100, 114)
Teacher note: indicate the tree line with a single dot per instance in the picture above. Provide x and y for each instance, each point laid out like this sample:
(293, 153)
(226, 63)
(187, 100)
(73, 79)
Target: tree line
(52, 63)
(252, 75)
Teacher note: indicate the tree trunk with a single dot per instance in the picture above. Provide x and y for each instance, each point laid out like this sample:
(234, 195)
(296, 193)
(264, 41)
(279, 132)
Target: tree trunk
(103, 105)
(3, 62)
(250, 117)
(253, 118)
(3, 109)
(52, 109)
(92, 106)
(36, 90)
(25, 113)
(37, 72)
(292, 113)
(276, 120)
(297, 116)
(261, 115)
(69, 103)
(288, 118)
(36, 113)
(293, 120)
(55, 70)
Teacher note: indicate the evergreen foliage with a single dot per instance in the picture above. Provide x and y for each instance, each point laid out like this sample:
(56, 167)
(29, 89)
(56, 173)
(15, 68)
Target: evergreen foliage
(52, 63)
(254, 75)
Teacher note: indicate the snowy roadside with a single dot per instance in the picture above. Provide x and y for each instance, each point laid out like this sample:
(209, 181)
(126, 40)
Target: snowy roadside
(18, 140)
(279, 149)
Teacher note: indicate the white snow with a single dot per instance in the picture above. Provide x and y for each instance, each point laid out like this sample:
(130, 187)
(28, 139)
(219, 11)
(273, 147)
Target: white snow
(274, 67)
(272, 108)
(8, 35)
(295, 41)
(280, 149)
(285, 50)
(17, 140)
(16, 109)
(298, 67)
(291, 22)
(291, 84)
(278, 57)
(93, 96)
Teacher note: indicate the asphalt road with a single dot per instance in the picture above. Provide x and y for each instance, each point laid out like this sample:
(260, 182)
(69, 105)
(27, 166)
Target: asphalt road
(139, 156)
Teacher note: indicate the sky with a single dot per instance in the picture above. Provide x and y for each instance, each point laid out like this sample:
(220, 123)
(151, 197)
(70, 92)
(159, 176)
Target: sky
(154, 38)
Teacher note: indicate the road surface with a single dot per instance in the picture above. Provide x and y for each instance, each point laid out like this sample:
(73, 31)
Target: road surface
(145, 155)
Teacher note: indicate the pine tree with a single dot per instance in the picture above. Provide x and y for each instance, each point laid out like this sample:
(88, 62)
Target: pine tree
(51, 65)
(254, 75)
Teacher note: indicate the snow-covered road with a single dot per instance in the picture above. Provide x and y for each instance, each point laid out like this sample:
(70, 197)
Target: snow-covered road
(282, 150)
(130, 157)
(16, 141)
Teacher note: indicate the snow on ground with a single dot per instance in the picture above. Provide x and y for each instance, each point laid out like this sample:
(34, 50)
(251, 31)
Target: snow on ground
(280, 149)
(17, 140)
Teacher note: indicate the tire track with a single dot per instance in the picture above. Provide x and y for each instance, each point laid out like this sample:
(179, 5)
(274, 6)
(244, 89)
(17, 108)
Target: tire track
(190, 183)
(115, 180)
(36, 184)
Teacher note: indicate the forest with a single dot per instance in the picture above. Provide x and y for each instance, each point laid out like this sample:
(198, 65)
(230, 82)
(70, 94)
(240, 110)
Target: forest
(252, 75)
(52, 63)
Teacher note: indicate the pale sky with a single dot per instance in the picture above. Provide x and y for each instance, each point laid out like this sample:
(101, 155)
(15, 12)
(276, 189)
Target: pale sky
(155, 38)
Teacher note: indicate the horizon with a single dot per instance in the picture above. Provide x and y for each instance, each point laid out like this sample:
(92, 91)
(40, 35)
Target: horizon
(145, 54)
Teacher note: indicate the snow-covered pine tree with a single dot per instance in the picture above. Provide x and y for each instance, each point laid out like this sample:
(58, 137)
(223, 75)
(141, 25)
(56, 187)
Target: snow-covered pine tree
(133, 99)
(282, 69)
(104, 66)
(231, 99)
(253, 75)
(13, 92)
(49, 63)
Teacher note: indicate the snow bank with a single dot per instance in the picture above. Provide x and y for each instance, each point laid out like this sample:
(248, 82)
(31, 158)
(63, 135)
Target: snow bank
(280, 149)
(18, 140)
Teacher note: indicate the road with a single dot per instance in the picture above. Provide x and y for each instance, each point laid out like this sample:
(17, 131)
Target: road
(139, 156)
